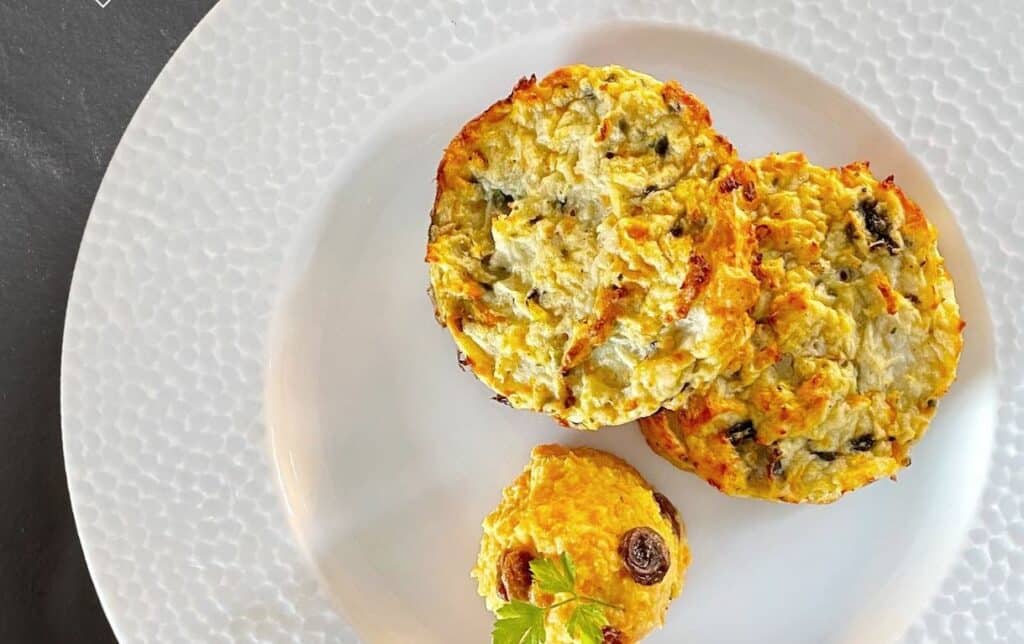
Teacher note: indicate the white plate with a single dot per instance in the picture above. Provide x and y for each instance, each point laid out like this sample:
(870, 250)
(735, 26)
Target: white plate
(252, 188)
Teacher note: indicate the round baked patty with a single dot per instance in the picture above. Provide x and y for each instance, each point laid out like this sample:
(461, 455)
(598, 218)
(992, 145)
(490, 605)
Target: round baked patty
(627, 541)
(588, 248)
(857, 337)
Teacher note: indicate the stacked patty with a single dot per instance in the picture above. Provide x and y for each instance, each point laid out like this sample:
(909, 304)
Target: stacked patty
(589, 247)
(857, 336)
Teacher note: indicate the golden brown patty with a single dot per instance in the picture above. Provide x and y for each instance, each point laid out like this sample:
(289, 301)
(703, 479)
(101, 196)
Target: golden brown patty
(857, 337)
(584, 503)
(582, 252)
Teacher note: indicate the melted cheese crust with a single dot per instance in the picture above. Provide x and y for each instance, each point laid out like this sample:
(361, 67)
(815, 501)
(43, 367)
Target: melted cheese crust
(581, 501)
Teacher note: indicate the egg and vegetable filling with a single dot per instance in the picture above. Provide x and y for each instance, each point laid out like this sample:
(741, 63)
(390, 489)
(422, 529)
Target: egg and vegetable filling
(589, 246)
(857, 335)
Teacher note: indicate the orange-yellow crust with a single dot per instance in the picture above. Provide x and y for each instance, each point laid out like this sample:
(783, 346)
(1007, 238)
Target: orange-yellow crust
(589, 249)
(582, 501)
(857, 336)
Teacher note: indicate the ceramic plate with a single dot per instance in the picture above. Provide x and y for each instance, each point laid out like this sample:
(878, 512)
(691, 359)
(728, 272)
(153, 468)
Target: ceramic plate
(268, 438)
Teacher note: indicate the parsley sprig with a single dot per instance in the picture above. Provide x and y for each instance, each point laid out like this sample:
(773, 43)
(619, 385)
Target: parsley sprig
(521, 622)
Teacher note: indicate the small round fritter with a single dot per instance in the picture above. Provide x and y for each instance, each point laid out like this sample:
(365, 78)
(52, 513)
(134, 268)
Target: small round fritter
(588, 247)
(625, 540)
(857, 336)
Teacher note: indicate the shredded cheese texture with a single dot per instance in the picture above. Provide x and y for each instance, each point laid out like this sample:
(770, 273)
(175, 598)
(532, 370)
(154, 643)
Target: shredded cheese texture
(590, 248)
(857, 337)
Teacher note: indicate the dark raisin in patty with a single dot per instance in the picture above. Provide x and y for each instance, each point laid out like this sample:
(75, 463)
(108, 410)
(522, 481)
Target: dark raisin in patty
(645, 555)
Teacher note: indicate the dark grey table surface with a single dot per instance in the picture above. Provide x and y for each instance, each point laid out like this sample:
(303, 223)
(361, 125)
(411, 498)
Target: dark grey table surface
(71, 75)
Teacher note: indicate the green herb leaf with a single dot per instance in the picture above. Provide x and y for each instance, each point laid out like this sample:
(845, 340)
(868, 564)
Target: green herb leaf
(554, 576)
(570, 569)
(585, 623)
(519, 623)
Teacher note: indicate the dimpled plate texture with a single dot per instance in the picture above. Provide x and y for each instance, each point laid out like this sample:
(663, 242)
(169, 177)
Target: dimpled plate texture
(165, 443)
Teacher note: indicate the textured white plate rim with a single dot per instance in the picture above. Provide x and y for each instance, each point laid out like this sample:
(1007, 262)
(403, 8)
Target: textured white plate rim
(75, 492)
(82, 497)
